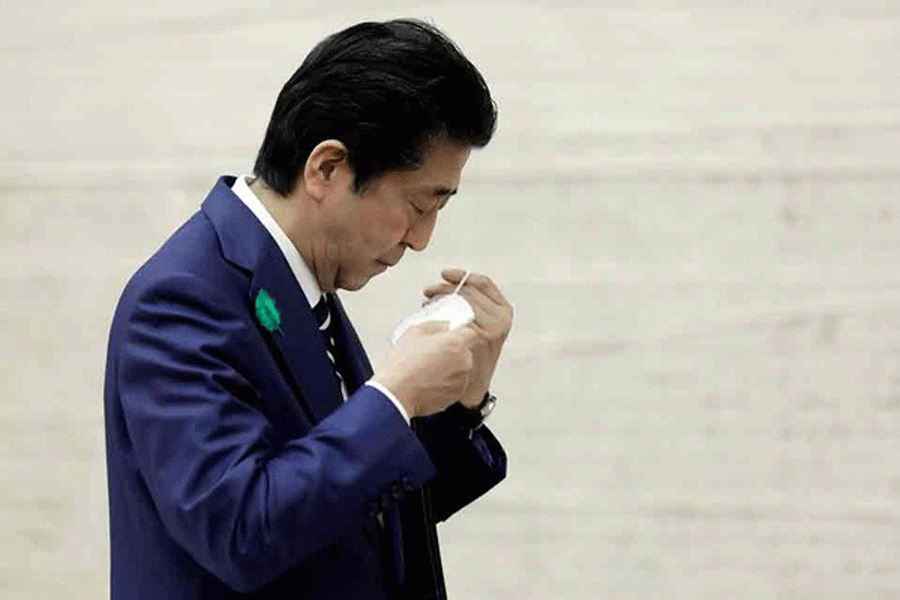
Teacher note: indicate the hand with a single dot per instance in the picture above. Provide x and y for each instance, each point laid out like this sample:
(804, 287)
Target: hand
(430, 367)
(493, 321)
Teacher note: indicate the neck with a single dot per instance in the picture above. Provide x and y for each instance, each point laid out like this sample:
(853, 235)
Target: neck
(297, 220)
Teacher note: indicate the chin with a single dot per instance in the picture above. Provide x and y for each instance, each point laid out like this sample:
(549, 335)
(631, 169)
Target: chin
(353, 284)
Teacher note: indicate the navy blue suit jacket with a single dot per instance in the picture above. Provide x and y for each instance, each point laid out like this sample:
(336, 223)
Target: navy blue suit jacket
(235, 468)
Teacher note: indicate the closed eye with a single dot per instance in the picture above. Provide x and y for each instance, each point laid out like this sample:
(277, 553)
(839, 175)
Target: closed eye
(418, 210)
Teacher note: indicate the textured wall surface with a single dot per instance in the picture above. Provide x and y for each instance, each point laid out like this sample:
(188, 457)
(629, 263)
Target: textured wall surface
(694, 209)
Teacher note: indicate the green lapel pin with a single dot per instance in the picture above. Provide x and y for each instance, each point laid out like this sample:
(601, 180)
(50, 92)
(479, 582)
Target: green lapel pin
(266, 312)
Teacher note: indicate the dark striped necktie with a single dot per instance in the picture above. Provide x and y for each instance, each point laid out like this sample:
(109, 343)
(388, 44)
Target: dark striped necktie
(418, 570)
(322, 313)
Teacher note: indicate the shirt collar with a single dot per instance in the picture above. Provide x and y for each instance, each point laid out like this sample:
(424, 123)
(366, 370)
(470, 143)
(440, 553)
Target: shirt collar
(301, 271)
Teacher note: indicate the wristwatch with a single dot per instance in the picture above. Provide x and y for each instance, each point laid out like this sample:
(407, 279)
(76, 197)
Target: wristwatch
(473, 418)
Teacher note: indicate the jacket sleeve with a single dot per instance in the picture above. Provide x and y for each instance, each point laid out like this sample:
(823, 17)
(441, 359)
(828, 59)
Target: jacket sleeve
(244, 508)
(466, 468)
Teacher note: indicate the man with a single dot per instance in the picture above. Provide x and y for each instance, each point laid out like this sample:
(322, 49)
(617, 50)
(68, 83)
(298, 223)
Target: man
(251, 450)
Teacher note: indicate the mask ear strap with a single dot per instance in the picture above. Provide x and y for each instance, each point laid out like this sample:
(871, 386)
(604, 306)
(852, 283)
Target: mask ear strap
(462, 281)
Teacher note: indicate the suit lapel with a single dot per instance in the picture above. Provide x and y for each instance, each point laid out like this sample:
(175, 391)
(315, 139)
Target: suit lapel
(296, 339)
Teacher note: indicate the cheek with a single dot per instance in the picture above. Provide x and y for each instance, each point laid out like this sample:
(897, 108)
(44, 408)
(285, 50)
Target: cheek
(399, 225)
(389, 229)
(381, 223)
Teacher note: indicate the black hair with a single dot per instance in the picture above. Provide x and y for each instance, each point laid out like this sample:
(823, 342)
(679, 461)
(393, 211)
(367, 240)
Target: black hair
(385, 90)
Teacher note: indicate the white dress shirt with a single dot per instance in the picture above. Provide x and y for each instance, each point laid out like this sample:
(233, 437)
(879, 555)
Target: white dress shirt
(304, 276)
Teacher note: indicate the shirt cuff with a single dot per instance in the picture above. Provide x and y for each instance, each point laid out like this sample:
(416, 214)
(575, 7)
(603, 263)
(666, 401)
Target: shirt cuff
(390, 395)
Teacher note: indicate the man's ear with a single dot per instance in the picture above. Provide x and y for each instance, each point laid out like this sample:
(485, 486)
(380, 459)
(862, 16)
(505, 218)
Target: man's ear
(327, 169)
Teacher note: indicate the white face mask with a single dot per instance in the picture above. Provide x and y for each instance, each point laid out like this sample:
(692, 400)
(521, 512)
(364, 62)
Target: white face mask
(452, 308)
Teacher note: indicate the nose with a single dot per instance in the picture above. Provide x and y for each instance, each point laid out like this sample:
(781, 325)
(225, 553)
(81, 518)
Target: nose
(419, 233)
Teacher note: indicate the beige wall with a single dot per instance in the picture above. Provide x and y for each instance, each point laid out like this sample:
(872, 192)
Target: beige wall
(693, 208)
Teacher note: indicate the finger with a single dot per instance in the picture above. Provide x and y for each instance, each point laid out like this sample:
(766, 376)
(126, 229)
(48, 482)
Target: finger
(445, 289)
(452, 278)
(477, 300)
(485, 320)
(431, 327)
(473, 295)
(453, 275)
(487, 286)
(480, 303)
(476, 280)
(437, 289)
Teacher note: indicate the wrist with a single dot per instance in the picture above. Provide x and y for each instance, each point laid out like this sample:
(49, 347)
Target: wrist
(392, 397)
(473, 401)
(400, 391)
(473, 417)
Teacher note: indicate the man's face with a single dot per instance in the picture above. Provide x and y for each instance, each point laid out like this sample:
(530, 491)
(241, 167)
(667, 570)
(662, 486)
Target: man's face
(368, 232)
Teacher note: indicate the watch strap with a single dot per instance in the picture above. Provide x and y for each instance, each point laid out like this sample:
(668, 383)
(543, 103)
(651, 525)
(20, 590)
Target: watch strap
(473, 418)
